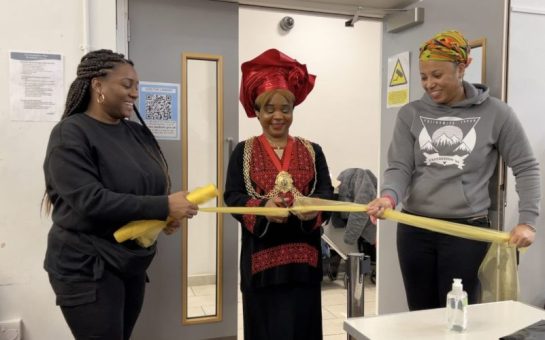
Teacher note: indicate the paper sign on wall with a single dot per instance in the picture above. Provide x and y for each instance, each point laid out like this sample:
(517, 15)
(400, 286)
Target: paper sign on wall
(398, 80)
(36, 83)
(159, 105)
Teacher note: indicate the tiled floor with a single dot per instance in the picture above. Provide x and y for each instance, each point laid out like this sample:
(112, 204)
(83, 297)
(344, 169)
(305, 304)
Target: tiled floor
(334, 310)
(201, 302)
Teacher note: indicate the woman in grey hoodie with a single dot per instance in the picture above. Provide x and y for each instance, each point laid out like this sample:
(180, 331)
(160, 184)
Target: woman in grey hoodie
(443, 153)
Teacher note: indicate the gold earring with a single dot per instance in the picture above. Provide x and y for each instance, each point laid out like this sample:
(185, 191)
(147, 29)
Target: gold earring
(101, 98)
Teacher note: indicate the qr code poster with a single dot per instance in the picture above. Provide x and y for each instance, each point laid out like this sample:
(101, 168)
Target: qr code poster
(159, 105)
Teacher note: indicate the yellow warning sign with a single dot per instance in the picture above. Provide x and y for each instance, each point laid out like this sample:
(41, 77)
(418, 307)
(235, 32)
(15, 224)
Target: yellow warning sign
(398, 76)
(398, 98)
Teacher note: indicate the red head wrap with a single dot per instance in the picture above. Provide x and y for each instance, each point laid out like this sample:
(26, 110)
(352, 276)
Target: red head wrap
(273, 70)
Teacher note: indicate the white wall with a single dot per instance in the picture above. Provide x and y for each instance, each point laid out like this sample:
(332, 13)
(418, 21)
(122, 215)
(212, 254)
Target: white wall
(525, 90)
(36, 26)
(342, 113)
(532, 5)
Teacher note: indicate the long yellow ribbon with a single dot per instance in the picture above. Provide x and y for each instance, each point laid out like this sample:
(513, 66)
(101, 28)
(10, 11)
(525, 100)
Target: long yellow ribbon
(309, 204)
(498, 272)
(136, 229)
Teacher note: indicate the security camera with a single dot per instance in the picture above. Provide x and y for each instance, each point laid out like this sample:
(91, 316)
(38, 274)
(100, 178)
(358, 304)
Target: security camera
(287, 23)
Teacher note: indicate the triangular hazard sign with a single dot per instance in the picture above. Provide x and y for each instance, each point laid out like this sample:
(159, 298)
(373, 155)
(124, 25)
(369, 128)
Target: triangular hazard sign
(398, 76)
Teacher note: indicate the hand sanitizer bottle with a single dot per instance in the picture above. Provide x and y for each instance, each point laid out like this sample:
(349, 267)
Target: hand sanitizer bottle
(457, 307)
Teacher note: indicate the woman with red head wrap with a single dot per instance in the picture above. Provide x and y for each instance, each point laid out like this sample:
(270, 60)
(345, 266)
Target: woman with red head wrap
(280, 262)
(444, 151)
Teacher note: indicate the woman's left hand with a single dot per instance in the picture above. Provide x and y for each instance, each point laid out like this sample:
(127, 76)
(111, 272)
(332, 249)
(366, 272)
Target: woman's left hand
(171, 227)
(522, 236)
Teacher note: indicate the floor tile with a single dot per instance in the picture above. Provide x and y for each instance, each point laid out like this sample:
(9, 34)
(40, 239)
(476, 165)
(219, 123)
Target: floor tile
(333, 326)
(204, 290)
(335, 337)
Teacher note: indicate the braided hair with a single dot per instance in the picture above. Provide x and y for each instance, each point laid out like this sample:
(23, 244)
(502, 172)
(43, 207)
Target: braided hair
(92, 65)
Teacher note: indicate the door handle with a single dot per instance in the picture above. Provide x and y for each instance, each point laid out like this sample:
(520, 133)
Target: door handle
(230, 141)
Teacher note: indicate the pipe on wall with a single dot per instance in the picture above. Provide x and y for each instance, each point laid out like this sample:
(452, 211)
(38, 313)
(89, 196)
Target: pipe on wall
(85, 43)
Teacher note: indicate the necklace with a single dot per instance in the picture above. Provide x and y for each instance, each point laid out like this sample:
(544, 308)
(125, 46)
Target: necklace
(283, 180)
(274, 145)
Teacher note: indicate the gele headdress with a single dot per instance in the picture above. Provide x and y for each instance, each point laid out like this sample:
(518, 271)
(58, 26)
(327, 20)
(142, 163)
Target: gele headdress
(273, 70)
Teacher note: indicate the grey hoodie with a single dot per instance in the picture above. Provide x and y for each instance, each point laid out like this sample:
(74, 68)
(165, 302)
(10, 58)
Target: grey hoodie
(441, 157)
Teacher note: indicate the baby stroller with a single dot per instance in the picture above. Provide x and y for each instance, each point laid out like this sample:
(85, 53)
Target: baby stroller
(350, 232)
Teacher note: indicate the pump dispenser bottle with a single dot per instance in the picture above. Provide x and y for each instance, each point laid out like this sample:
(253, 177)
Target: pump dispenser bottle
(457, 307)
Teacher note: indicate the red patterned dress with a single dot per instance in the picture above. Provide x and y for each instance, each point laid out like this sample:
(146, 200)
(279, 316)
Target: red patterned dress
(280, 264)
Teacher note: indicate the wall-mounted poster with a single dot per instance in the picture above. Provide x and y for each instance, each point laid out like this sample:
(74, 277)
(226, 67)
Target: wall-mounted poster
(398, 80)
(36, 86)
(159, 105)
(476, 71)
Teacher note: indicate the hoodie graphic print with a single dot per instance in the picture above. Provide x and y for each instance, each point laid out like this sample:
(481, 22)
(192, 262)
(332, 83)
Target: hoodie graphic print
(447, 141)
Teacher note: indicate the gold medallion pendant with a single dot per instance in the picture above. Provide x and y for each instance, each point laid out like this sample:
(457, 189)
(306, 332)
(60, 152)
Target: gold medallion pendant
(283, 182)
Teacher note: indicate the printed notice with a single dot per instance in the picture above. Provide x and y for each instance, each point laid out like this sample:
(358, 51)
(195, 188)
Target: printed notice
(398, 80)
(159, 106)
(36, 86)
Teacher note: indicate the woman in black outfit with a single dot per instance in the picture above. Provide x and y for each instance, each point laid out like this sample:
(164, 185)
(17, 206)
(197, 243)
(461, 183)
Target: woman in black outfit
(280, 261)
(101, 172)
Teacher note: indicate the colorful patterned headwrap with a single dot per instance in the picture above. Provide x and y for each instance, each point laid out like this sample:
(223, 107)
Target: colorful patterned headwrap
(273, 70)
(446, 46)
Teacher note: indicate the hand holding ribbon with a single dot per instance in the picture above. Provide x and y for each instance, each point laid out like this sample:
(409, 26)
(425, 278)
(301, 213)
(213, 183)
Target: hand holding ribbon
(145, 232)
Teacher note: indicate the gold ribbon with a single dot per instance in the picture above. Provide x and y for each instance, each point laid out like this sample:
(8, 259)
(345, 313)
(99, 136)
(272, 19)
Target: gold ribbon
(306, 204)
(145, 232)
(497, 273)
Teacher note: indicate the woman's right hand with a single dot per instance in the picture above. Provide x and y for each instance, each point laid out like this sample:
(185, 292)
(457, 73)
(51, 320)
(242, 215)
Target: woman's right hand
(276, 203)
(179, 207)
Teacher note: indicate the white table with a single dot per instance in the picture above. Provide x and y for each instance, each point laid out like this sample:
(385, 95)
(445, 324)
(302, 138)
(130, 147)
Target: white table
(485, 321)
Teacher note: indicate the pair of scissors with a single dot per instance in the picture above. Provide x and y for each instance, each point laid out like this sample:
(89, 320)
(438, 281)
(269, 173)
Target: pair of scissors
(285, 203)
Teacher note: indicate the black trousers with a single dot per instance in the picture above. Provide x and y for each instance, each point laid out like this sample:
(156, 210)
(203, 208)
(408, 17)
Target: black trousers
(429, 261)
(108, 312)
